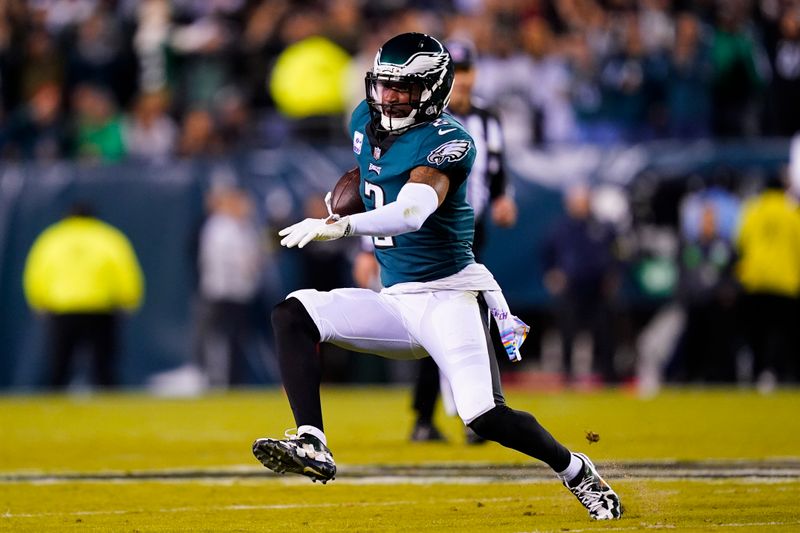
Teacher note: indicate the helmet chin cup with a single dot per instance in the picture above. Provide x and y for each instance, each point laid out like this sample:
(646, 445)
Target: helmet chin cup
(397, 124)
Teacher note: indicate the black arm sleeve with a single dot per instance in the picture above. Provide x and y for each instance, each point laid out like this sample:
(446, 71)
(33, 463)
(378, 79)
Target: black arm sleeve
(495, 167)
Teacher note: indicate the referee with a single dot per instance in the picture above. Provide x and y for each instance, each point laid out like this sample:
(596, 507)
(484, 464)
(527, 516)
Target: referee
(489, 195)
(487, 186)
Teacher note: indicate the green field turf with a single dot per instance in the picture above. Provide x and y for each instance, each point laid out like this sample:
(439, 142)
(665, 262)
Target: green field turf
(131, 462)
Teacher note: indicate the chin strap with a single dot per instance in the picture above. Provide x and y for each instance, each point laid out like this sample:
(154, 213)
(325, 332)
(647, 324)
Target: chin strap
(328, 205)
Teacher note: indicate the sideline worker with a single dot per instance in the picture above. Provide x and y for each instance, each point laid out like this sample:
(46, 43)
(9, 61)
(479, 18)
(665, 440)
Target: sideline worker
(80, 273)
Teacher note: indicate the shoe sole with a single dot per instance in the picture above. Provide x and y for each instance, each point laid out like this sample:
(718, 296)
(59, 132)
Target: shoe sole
(272, 455)
(620, 509)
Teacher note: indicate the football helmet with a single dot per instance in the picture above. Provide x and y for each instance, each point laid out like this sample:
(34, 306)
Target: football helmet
(410, 82)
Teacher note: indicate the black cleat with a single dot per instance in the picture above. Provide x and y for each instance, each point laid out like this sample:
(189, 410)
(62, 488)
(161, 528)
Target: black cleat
(594, 493)
(298, 454)
(426, 433)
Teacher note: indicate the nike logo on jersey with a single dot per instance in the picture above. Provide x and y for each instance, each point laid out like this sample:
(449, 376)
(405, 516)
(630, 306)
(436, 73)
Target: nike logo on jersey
(445, 132)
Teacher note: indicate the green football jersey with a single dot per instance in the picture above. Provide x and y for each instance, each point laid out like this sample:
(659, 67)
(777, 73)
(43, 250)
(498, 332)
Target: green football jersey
(443, 245)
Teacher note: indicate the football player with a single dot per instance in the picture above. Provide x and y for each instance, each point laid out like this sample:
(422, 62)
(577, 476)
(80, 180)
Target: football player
(414, 159)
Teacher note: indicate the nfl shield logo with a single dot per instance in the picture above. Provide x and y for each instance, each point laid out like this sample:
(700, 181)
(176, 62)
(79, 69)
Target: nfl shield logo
(376, 153)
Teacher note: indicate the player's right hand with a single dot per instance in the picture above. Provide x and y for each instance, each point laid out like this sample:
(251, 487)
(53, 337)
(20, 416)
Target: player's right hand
(314, 229)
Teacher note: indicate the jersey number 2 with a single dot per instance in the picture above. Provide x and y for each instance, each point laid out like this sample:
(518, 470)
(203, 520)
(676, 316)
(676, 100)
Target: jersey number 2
(379, 199)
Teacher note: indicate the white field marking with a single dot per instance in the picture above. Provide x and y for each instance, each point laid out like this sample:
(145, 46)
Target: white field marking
(724, 471)
(641, 526)
(297, 480)
(384, 480)
(499, 472)
(269, 507)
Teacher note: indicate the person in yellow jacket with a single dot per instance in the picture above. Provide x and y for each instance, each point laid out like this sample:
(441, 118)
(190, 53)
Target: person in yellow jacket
(768, 270)
(80, 273)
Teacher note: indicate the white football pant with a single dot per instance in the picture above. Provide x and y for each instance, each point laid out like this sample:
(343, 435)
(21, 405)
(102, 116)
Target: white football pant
(444, 324)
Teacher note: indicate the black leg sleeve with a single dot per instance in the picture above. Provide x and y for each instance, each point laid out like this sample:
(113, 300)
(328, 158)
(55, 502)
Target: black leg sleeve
(102, 336)
(62, 342)
(296, 339)
(522, 432)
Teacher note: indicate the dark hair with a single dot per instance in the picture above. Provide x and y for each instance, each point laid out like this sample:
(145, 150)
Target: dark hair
(81, 209)
(775, 180)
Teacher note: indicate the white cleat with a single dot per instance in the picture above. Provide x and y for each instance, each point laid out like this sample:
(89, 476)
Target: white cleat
(594, 493)
(297, 454)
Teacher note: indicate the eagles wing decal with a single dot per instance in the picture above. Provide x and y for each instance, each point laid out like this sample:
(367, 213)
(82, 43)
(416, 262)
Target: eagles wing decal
(449, 151)
(420, 64)
(424, 64)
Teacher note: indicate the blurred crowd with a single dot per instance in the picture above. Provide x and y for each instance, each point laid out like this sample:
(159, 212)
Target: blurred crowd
(712, 299)
(155, 79)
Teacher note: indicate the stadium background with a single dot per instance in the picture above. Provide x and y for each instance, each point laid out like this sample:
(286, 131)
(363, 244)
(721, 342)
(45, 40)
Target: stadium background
(694, 458)
(257, 92)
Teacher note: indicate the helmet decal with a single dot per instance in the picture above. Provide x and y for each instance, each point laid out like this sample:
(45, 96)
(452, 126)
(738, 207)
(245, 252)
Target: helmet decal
(420, 64)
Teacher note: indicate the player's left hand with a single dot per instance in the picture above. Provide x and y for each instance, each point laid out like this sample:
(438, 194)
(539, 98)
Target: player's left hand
(504, 211)
(314, 229)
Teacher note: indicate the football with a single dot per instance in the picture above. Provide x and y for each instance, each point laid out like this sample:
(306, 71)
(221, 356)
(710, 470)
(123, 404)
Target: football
(346, 197)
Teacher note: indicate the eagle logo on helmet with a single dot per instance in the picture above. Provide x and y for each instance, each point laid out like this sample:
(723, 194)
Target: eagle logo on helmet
(450, 151)
(420, 64)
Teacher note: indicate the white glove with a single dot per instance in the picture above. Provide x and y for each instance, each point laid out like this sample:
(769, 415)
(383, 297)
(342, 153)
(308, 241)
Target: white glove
(314, 229)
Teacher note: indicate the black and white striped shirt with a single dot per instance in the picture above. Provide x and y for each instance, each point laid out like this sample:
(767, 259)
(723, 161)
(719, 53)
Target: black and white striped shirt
(487, 180)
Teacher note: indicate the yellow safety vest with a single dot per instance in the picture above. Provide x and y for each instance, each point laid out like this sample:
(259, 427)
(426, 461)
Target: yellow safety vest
(769, 245)
(82, 265)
